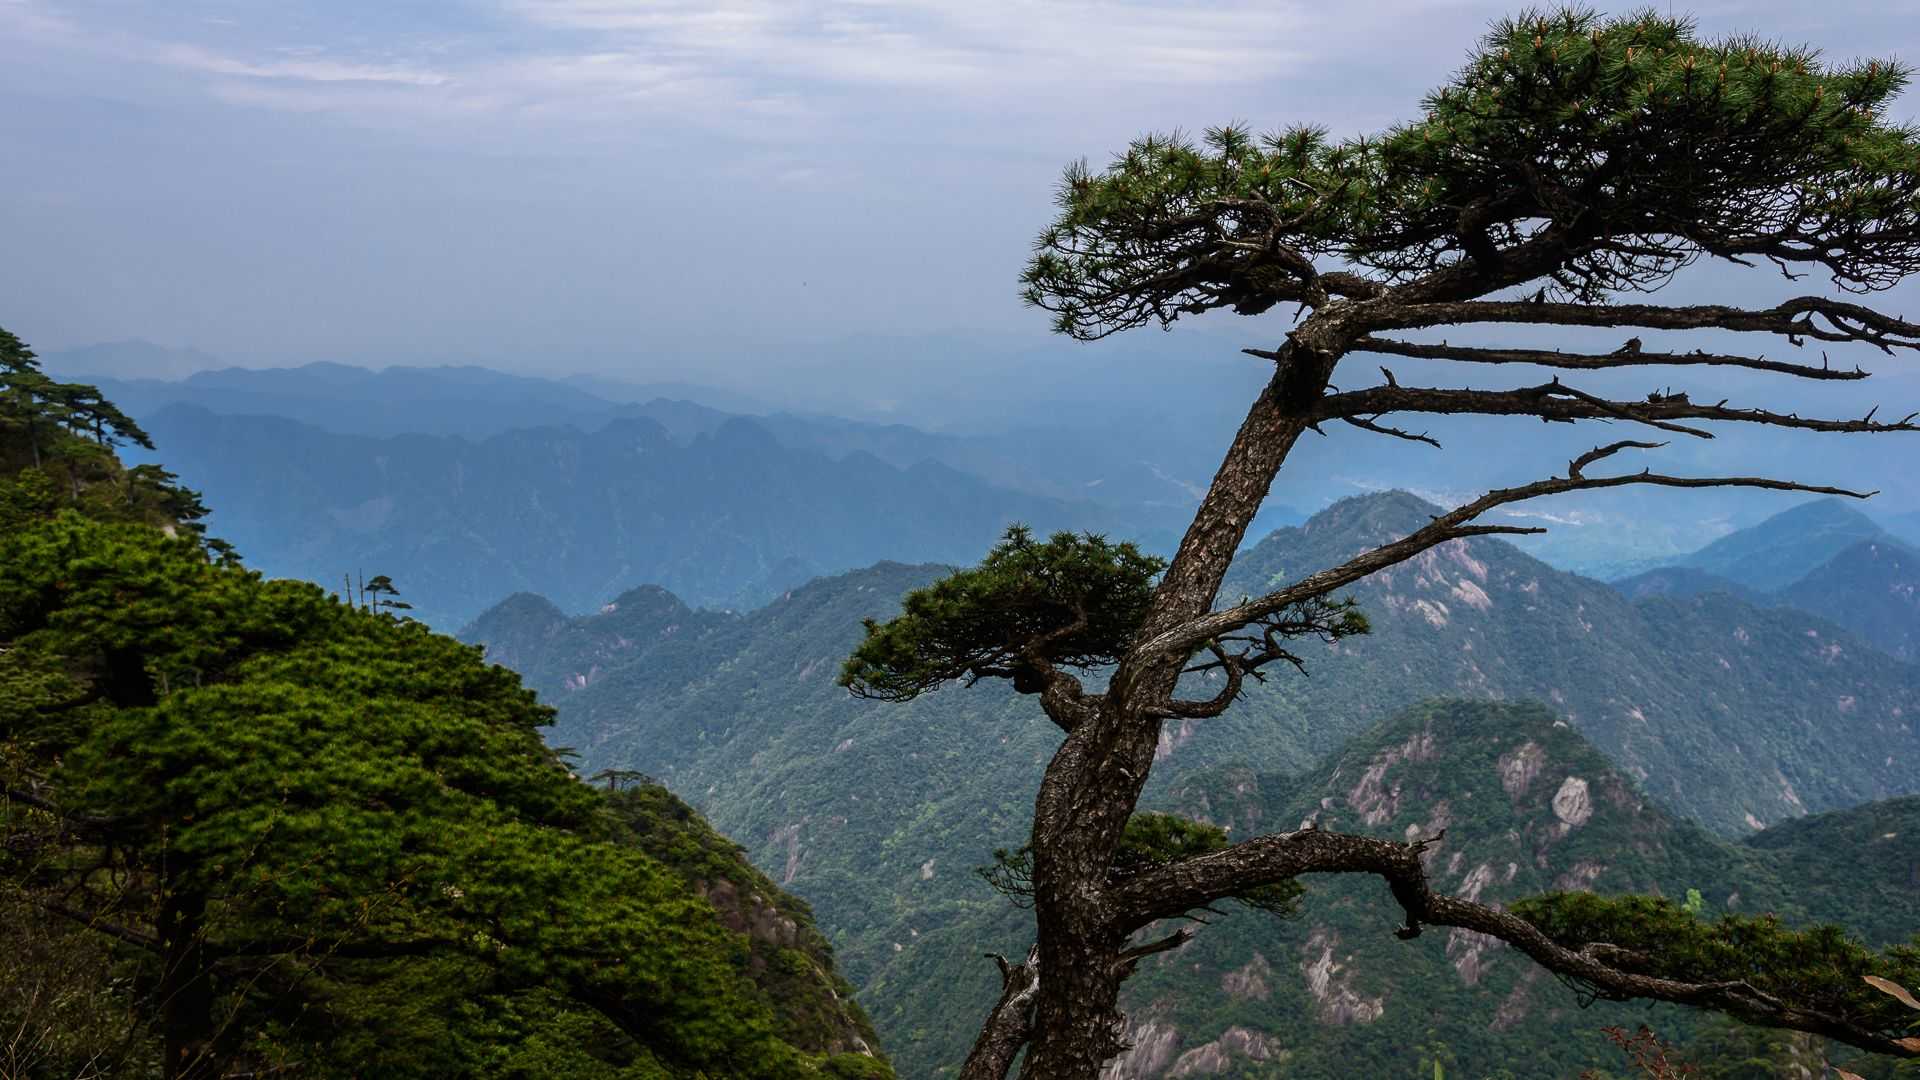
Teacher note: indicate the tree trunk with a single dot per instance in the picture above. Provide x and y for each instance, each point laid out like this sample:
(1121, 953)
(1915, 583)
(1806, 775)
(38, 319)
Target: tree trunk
(1095, 779)
(1084, 803)
(185, 990)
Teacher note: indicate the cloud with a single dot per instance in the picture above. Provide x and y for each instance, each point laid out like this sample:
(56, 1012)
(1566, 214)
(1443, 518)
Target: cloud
(988, 45)
(740, 67)
(299, 69)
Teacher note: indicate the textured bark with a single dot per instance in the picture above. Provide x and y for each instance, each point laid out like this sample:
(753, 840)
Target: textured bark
(1095, 778)
(1010, 1024)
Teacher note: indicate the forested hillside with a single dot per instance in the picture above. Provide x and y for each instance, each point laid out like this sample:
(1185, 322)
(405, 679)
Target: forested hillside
(249, 828)
(1724, 712)
(1524, 806)
(1824, 558)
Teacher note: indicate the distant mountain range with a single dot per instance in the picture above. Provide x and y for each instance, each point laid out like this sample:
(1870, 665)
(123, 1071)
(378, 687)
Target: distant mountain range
(727, 518)
(1141, 437)
(1823, 557)
(126, 360)
(1728, 713)
(467, 401)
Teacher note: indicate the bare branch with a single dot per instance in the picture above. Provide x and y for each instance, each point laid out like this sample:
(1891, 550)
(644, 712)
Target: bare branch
(1456, 524)
(1127, 960)
(1553, 358)
(1598, 452)
(1794, 319)
(1367, 424)
(1266, 860)
(78, 823)
(1220, 702)
(94, 921)
(1556, 401)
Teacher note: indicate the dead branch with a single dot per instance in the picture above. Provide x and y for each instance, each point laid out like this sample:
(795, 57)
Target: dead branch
(1553, 358)
(1839, 321)
(1010, 1024)
(1556, 401)
(1456, 524)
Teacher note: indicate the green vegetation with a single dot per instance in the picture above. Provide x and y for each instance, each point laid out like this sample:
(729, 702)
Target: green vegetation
(1823, 966)
(877, 813)
(248, 827)
(1079, 599)
(56, 450)
(1335, 994)
(1823, 558)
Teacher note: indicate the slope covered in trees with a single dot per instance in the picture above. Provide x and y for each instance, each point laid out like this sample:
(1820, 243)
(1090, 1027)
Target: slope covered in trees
(877, 812)
(1527, 807)
(1824, 558)
(248, 827)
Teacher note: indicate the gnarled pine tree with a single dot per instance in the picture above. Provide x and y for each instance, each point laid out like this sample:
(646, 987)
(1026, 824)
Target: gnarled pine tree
(1573, 164)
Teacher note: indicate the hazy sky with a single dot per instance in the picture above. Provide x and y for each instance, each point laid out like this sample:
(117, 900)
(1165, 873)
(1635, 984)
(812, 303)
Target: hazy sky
(636, 186)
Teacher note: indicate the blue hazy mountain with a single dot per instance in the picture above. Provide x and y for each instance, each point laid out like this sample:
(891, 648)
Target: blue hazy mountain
(1787, 546)
(1823, 557)
(727, 518)
(126, 360)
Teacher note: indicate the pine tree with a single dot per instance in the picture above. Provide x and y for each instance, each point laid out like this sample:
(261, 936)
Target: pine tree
(1576, 163)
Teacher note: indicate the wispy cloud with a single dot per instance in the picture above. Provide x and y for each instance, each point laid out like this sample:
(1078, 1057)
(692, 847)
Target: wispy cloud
(319, 69)
(989, 44)
(727, 64)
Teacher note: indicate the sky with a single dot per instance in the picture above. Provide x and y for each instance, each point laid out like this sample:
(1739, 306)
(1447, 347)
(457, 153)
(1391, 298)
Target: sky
(663, 189)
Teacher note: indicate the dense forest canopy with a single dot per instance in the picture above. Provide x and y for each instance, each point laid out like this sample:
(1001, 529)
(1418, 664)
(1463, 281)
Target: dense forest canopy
(251, 828)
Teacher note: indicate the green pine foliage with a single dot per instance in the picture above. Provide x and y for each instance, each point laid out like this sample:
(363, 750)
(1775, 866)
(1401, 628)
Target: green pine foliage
(1822, 968)
(248, 827)
(1648, 122)
(386, 868)
(56, 450)
(789, 959)
(1076, 600)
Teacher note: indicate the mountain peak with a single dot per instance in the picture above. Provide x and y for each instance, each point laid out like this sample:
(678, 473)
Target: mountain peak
(1376, 516)
(1784, 547)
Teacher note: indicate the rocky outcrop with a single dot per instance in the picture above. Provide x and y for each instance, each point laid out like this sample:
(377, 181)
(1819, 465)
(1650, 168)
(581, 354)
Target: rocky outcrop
(1572, 804)
(1152, 1046)
(1234, 1046)
(1331, 983)
(1519, 766)
(1373, 797)
(1249, 982)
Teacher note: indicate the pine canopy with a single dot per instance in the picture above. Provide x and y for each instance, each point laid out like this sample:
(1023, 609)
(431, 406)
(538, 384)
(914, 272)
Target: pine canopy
(1602, 153)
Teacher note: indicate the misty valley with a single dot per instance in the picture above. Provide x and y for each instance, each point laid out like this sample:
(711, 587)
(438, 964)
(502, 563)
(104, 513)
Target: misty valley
(1442, 601)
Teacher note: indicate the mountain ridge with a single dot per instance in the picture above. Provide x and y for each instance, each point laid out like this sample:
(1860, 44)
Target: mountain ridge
(1821, 557)
(742, 717)
(728, 518)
